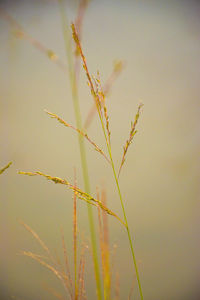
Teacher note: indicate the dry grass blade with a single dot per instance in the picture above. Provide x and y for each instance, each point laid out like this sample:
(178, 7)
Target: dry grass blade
(117, 287)
(75, 239)
(22, 34)
(79, 131)
(61, 276)
(6, 167)
(131, 290)
(53, 292)
(68, 273)
(131, 135)
(79, 19)
(35, 235)
(117, 69)
(106, 252)
(103, 237)
(81, 280)
(80, 15)
(42, 262)
(80, 194)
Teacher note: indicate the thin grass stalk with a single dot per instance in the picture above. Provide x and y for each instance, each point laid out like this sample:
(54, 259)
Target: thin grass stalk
(127, 228)
(117, 286)
(103, 239)
(131, 290)
(68, 273)
(53, 292)
(84, 135)
(82, 281)
(81, 273)
(106, 248)
(75, 243)
(6, 167)
(72, 75)
(79, 22)
(96, 99)
(64, 278)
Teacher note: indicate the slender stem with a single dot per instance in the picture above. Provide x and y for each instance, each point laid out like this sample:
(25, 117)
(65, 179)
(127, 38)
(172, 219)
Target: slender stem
(122, 204)
(127, 227)
(72, 76)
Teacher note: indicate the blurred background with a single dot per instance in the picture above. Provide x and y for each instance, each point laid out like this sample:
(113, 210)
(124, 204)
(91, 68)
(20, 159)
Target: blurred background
(159, 43)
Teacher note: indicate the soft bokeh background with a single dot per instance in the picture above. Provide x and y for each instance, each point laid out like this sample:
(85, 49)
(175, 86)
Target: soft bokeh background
(160, 44)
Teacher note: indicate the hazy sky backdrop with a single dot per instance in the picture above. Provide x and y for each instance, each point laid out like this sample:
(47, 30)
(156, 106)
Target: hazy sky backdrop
(159, 43)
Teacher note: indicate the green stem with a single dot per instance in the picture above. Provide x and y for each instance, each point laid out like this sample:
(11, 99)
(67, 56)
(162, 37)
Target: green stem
(127, 227)
(122, 205)
(72, 77)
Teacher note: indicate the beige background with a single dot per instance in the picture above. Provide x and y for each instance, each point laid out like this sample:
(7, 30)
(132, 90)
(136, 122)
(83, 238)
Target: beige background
(159, 42)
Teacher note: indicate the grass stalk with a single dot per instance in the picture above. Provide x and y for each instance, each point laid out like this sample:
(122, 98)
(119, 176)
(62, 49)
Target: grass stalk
(104, 246)
(72, 76)
(122, 205)
(127, 228)
(6, 167)
(123, 208)
(97, 100)
(75, 242)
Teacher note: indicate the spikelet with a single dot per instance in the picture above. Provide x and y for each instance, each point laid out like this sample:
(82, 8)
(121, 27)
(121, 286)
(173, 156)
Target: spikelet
(131, 135)
(80, 132)
(118, 67)
(80, 194)
(95, 94)
(52, 55)
(90, 83)
(103, 104)
(6, 167)
(102, 96)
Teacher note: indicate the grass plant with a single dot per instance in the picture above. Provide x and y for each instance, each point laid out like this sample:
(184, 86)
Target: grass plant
(75, 287)
(99, 99)
(73, 283)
